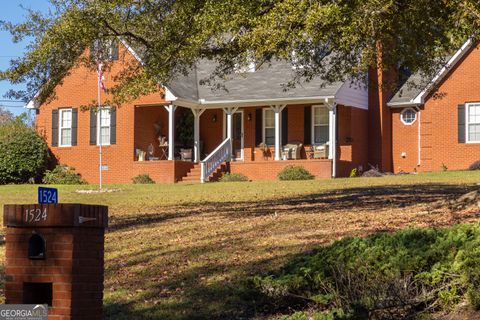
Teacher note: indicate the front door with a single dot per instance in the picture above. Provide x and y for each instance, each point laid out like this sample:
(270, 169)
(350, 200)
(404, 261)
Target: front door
(237, 135)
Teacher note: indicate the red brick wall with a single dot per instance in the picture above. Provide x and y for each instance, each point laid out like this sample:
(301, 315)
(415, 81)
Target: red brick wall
(80, 88)
(211, 133)
(352, 140)
(381, 86)
(439, 132)
(145, 132)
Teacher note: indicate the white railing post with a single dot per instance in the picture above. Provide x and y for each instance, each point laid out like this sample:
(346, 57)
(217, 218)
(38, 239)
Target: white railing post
(202, 172)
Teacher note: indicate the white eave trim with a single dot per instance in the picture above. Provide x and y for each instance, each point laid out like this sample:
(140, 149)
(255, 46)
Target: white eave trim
(403, 104)
(254, 102)
(420, 99)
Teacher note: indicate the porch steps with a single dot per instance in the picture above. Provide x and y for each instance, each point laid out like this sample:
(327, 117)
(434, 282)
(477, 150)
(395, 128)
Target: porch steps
(194, 174)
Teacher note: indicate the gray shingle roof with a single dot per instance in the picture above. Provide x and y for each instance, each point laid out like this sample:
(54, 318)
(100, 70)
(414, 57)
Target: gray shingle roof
(409, 90)
(268, 82)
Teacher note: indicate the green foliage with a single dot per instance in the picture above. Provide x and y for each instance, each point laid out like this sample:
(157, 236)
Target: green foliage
(295, 173)
(398, 274)
(233, 177)
(142, 179)
(62, 174)
(352, 30)
(23, 153)
(354, 173)
(185, 129)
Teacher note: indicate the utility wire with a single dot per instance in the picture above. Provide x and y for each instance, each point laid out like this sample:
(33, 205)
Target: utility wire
(8, 107)
(12, 101)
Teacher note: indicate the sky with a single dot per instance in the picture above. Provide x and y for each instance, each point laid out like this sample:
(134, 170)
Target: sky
(10, 10)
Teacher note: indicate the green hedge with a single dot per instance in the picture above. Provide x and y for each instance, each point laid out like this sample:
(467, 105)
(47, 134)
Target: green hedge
(62, 174)
(142, 179)
(392, 276)
(233, 177)
(23, 153)
(295, 173)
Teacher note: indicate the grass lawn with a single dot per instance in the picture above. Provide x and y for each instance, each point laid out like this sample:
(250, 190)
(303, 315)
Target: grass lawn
(185, 251)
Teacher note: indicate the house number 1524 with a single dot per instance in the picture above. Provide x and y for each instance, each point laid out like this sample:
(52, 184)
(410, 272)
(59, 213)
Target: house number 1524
(36, 215)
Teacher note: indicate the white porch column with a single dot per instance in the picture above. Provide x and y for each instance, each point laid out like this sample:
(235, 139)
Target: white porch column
(229, 112)
(278, 130)
(196, 134)
(171, 130)
(332, 150)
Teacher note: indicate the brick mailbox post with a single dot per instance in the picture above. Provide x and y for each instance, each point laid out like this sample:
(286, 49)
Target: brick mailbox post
(54, 256)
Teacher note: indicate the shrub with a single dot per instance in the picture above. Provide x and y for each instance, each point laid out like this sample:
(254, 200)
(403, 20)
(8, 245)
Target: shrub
(233, 177)
(400, 275)
(23, 153)
(142, 179)
(295, 173)
(62, 174)
(475, 165)
(354, 173)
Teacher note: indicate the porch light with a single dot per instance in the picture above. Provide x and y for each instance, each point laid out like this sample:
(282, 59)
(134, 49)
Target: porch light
(214, 118)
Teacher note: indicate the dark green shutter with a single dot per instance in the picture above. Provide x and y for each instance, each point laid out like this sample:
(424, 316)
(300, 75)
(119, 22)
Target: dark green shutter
(55, 128)
(93, 127)
(114, 50)
(74, 126)
(285, 125)
(113, 126)
(258, 126)
(461, 123)
(307, 125)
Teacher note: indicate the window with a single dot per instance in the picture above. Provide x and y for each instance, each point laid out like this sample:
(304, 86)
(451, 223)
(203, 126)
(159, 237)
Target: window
(107, 49)
(65, 127)
(104, 126)
(320, 119)
(408, 116)
(268, 127)
(473, 122)
(246, 66)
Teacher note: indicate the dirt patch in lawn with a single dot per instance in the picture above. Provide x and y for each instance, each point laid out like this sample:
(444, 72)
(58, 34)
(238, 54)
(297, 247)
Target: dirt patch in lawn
(193, 261)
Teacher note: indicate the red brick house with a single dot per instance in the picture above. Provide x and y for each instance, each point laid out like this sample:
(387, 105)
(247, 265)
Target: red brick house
(257, 127)
(246, 124)
(437, 126)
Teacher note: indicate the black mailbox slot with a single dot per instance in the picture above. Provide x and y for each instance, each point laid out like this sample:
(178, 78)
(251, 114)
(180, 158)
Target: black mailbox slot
(37, 293)
(36, 247)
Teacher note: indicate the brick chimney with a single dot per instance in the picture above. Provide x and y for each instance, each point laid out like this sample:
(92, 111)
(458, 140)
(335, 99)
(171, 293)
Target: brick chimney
(382, 85)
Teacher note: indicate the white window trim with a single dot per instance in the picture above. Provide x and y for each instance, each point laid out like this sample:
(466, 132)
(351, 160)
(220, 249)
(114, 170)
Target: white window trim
(264, 110)
(60, 117)
(312, 131)
(99, 128)
(403, 121)
(467, 123)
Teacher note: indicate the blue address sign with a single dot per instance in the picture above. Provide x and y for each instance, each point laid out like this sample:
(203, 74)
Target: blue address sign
(47, 195)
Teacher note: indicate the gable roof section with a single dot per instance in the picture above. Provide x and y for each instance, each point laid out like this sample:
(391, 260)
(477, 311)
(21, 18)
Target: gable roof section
(411, 93)
(264, 86)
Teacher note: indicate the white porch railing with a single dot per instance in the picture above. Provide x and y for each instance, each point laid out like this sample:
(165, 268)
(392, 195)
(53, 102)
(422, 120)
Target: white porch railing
(221, 154)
